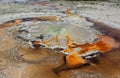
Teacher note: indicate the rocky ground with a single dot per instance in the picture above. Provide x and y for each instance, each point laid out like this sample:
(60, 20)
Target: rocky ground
(18, 60)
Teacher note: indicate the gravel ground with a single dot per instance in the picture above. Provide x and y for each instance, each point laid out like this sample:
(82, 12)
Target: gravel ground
(107, 12)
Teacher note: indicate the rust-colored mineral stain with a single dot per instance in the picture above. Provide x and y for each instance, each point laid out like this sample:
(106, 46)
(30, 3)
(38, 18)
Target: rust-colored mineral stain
(36, 42)
(73, 59)
(104, 45)
(18, 21)
(68, 11)
(68, 42)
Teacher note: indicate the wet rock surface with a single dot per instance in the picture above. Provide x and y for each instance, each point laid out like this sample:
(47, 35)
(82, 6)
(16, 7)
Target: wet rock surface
(19, 60)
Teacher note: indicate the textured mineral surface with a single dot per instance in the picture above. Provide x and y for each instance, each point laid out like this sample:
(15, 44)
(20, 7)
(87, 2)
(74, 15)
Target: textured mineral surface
(35, 37)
